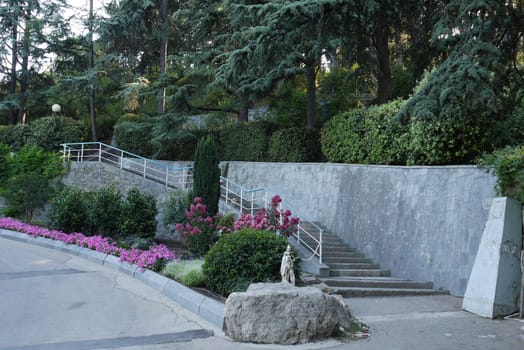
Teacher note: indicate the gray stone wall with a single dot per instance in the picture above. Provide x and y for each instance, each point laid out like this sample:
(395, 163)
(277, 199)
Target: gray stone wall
(422, 223)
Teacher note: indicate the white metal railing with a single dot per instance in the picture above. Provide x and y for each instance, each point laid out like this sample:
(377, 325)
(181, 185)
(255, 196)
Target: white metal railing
(176, 177)
(251, 200)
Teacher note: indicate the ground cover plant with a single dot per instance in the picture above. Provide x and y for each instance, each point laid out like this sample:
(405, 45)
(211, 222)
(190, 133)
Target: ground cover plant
(154, 258)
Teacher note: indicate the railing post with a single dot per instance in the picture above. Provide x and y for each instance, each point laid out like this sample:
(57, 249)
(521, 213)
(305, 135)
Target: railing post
(100, 152)
(81, 154)
(227, 190)
(167, 176)
(320, 247)
(298, 234)
(241, 200)
(252, 203)
(145, 167)
(184, 178)
(121, 160)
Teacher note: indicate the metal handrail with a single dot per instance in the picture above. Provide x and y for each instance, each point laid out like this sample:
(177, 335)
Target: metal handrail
(250, 200)
(175, 177)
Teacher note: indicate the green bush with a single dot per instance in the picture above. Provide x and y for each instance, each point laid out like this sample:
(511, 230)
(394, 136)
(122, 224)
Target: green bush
(49, 132)
(177, 202)
(105, 211)
(241, 258)
(449, 141)
(176, 146)
(138, 215)
(134, 136)
(32, 159)
(206, 174)
(24, 193)
(508, 166)
(245, 141)
(366, 135)
(343, 137)
(4, 153)
(68, 211)
(295, 145)
(189, 272)
(15, 136)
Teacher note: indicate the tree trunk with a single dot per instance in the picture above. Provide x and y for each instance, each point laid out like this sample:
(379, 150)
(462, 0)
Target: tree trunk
(90, 62)
(311, 94)
(24, 75)
(243, 114)
(381, 36)
(13, 80)
(161, 104)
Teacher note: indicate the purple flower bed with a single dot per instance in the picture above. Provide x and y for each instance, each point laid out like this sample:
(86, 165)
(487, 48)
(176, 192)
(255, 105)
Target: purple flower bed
(143, 258)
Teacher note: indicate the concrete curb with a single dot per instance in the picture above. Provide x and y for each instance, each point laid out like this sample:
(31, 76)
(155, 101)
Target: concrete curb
(204, 307)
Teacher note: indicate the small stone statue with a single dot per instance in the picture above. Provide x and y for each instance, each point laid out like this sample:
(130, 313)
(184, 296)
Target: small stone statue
(286, 266)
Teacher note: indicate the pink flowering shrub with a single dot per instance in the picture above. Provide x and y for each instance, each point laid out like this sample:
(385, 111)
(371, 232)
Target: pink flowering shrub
(153, 258)
(200, 230)
(272, 219)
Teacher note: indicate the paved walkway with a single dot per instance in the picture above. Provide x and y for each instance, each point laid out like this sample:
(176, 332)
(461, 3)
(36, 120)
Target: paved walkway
(50, 300)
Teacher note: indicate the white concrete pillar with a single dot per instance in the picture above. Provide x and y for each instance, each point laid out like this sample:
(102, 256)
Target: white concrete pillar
(494, 283)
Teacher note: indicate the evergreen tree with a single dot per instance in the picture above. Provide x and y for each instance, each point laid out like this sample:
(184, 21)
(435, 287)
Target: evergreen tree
(206, 174)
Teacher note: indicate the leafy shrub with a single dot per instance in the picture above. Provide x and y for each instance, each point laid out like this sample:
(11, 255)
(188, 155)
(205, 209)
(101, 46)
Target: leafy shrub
(343, 137)
(295, 145)
(175, 207)
(32, 159)
(449, 141)
(177, 146)
(49, 132)
(105, 211)
(366, 135)
(68, 210)
(508, 165)
(15, 136)
(138, 214)
(288, 105)
(241, 258)
(206, 174)
(24, 193)
(387, 138)
(245, 141)
(4, 153)
(134, 136)
(189, 272)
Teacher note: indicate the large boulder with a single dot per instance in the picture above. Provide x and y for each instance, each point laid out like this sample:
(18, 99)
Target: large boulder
(279, 313)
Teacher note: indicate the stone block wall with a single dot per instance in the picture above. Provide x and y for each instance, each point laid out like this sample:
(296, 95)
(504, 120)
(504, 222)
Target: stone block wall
(422, 223)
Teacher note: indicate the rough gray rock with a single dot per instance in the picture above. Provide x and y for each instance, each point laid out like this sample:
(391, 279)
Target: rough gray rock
(279, 313)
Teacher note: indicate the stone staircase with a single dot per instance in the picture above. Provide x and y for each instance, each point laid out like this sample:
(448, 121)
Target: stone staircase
(351, 274)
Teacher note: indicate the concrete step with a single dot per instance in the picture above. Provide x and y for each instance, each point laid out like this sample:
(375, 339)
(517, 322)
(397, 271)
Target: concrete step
(359, 272)
(353, 266)
(375, 282)
(369, 292)
(345, 259)
(341, 254)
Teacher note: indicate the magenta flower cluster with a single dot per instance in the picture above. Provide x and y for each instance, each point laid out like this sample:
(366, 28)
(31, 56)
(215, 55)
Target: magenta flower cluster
(272, 219)
(143, 258)
(198, 221)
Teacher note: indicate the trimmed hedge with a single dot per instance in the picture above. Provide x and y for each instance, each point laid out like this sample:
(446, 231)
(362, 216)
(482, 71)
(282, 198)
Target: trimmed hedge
(245, 141)
(295, 145)
(49, 132)
(374, 135)
(243, 257)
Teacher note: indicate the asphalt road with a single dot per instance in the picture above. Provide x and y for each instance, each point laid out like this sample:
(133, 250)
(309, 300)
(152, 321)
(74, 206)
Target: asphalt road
(50, 300)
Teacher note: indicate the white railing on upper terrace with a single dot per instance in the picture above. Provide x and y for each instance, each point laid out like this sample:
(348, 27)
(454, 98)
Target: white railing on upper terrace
(245, 200)
(251, 200)
(174, 177)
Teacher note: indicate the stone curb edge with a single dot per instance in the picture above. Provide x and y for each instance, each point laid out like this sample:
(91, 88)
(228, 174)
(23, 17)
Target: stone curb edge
(204, 307)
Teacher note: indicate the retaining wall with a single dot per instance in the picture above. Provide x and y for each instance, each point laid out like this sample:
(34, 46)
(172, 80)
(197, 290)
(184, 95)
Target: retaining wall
(422, 223)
